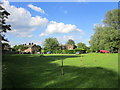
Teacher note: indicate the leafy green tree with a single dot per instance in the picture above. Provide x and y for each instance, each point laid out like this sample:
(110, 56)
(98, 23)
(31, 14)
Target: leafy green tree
(81, 46)
(107, 36)
(71, 42)
(112, 19)
(51, 44)
(95, 42)
(20, 47)
(3, 27)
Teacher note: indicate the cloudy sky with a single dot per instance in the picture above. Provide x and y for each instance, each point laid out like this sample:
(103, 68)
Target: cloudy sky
(36, 21)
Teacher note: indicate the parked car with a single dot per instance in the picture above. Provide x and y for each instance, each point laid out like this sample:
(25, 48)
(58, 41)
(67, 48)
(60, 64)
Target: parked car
(104, 51)
(26, 52)
(77, 52)
(49, 52)
(38, 52)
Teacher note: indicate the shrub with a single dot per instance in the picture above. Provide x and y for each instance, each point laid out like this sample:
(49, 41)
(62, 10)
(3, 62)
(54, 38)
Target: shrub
(80, 50)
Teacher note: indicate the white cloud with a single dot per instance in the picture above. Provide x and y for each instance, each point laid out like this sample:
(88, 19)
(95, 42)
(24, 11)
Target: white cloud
(36, 21)
(64, 39)
(21, 21)
(13, 43)
(54, 27)
(38, 9)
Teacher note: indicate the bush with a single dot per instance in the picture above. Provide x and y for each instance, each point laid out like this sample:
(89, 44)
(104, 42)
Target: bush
(56, 51)
(65, 51)
(80, 50)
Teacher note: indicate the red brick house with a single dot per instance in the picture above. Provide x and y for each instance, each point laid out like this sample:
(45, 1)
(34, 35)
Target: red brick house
(32, 48)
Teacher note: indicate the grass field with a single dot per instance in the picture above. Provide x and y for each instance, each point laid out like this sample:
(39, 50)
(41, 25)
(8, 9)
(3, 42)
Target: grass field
(80, 71)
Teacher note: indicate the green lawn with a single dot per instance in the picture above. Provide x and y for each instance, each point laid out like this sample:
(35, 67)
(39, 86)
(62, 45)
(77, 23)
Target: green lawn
(80, 71)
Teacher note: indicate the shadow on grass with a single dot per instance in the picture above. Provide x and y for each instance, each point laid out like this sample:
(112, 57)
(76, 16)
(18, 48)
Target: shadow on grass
(64, 56)
(38, 72)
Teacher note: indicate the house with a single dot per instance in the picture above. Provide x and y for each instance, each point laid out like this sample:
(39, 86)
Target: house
(67, 47)
(32, 48)
(62, 47)
(70, 47)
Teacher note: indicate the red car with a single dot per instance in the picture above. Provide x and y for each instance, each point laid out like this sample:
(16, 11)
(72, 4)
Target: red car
(104, 51)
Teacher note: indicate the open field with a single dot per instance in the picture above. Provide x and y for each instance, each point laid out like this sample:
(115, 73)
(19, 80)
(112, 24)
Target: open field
(80, 71)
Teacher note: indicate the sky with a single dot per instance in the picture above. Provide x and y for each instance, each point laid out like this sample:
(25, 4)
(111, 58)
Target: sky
(33, 22)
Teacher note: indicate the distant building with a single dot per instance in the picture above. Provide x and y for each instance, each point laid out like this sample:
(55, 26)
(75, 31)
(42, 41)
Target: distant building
(67, 47)
(32, 48)
(70, 47)
(62, 47)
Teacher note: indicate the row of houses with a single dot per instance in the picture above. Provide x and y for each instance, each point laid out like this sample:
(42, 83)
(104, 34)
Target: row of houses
(32, 48)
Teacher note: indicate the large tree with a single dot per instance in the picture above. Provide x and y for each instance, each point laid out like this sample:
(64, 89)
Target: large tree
(82, 46)
(3, 26)
(107, 36)
(51, 44)
(112, 19)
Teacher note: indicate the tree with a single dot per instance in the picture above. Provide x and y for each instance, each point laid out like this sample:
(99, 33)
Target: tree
(3, 27)
(20, 47)
(82, 46)
(71, 42)
(112, 19)
(107, 36)
(5, 46)
(51, 44)
(95, 44)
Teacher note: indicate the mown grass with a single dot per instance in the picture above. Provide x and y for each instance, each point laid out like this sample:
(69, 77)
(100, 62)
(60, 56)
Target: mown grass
(80, 71)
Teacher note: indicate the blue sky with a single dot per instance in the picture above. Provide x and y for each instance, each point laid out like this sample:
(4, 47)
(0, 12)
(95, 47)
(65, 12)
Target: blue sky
(48, 19)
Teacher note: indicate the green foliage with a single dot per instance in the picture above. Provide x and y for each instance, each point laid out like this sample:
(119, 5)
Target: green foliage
(68, 51)
(51, 44)
(71, 42)
(3, 27)
(112, 18)
(80, 50)
(42, 50)
(81, 46)
(20, 47)
(106, 37)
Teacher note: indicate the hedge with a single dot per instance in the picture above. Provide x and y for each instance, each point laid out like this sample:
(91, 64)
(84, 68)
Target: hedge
(65, 51)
